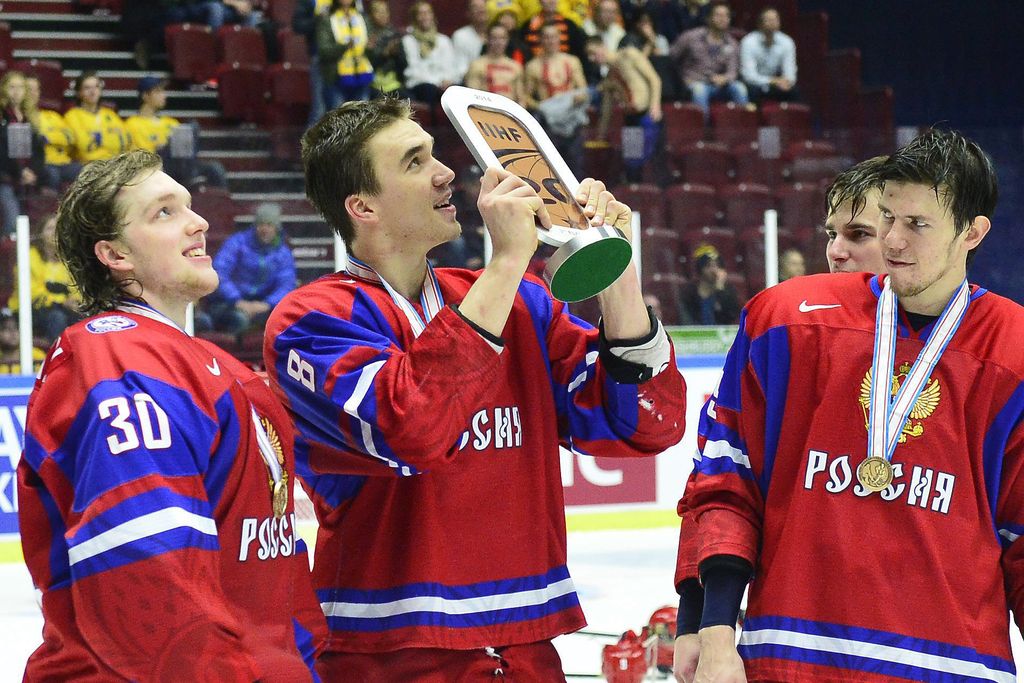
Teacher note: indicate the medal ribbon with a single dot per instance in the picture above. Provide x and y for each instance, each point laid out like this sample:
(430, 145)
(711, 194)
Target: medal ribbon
(266, 448)
(886, 418)
(430, 297)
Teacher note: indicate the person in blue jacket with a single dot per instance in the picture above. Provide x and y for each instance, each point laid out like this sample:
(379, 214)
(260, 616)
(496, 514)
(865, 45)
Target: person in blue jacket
(256, 270)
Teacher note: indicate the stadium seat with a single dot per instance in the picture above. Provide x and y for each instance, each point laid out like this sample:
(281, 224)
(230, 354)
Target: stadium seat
(791, 118)
(241, 91)
(692, 205)
(281, 11)
(293, 47)
(216, 206)
(51, 80)
(241, 44)
(745, 204)
(288, 94)
(752, 241)
(645, 199)
(733, 124)
(811, 37)
(683, 124)
(877, 126)
(752, 167)
(705, 162)
(841, 107)
(801, 208)
(6, 43)
(660, 251)
(224, 340)
(722, 238)
(668, 288)
(8, 260)
(192, 51)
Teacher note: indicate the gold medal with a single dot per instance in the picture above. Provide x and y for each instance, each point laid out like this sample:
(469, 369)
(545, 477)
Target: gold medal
(874, 473)
(280, 495)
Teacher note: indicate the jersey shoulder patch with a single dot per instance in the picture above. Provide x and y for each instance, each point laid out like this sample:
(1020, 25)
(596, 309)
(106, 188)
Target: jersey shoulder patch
(110, 323)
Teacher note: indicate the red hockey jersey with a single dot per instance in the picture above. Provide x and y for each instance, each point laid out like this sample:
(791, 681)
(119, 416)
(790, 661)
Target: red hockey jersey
(909, 584)
(146, 513)
(433, 460)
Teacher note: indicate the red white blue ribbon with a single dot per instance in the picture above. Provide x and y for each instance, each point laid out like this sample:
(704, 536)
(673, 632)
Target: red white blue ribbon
(430, 297)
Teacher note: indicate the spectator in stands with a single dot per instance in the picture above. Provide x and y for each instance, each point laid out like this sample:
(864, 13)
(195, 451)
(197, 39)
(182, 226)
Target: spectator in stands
(606, 24)
(256, 270)
(214, 13)
(151, 131)
(556, 89)
(54, 298)
(571, 38)
(643, 35)
(304, 24)
(10, 346)
(469, 40)
(341, 45)
(506, 13)
(671, 17)
(791, 264)
(98, 131)
(710, 299)
(429, 55)
(384, 48)
(21, 155)
(708, 60)
(768, 60)
(633, 84)
(494, 71)
(58, 140)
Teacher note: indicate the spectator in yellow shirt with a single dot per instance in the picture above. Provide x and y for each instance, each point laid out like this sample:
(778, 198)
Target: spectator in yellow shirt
(99, 132)
(10, 340)
(54, 299)
(60, 140)
(151, 131)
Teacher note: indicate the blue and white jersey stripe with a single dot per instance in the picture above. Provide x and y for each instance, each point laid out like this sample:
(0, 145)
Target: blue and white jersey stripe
(139, 528)
(876, 652)
(465, 606)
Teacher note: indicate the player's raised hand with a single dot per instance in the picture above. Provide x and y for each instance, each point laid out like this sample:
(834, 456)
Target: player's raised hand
(511, 208)
(685, 657)
(602, 208)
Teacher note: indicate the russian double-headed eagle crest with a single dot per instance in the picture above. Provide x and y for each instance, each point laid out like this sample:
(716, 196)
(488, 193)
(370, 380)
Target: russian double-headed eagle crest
(924, 406)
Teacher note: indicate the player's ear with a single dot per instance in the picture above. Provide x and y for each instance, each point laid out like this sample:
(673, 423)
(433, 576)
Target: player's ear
(358, 208)
(113, 255)
(976, 232)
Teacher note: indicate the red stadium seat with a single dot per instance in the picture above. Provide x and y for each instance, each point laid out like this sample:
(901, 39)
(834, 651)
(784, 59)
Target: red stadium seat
(216, 206)
(811, 37)
(241, 91)
(752, 167)
(288, 90)
(645, 199)
(293, 47)
(692, 205)
(281, 11)
(668, 288)
(705, 162)
(815, 161)
(6, 43)
(192, 51)
(51, 80)
(733, 124)
(722, 238)
(791, 118)
(801, 208)
(745, 204)
(241, 44)
(683, 124)
(877, 125)
(841, 107)
(660, 250)
(752, 240)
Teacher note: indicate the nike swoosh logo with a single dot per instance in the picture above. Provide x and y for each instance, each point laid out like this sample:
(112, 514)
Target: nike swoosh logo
(807, 308)
(214, 369)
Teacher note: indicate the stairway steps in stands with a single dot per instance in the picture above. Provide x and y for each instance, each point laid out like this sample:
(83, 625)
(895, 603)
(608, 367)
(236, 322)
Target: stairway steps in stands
(59, 23)
(243, 182)
(68, 42)
(37, 7)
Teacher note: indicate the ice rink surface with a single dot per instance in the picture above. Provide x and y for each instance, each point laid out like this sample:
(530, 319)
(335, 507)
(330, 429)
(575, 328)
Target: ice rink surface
(621, 577)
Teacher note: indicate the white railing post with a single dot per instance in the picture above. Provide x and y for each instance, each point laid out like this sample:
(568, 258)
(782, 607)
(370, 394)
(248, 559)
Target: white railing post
(771, 248)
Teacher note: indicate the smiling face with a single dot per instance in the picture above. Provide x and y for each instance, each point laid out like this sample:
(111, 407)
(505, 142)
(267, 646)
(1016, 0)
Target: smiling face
(853, 245)
(162, 245)
(413, 209)
(925, 257)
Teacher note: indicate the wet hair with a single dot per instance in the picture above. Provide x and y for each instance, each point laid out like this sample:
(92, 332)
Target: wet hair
(89, 213)
(955, 168)
(336, 158)
(853, 185)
